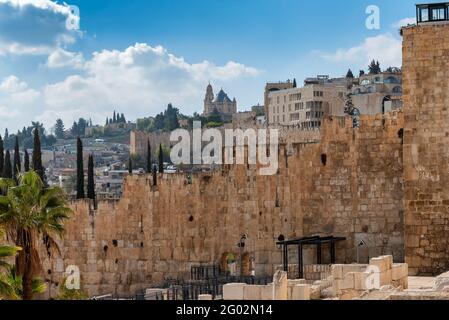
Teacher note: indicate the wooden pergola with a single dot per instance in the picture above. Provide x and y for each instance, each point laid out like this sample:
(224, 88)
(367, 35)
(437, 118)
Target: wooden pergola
(305, 241)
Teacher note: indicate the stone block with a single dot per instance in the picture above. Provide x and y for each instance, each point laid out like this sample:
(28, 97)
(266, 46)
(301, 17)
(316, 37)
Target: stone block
(252, 293)
(399, 271)
(360, 280)
(347, 282)
(441, 282)
(385, 278)
(205, 297)
(301, 292)
(384, 263)
(266, 292)
(233, 291)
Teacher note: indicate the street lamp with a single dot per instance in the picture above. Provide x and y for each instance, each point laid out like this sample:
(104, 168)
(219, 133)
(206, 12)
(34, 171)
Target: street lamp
(241, 246)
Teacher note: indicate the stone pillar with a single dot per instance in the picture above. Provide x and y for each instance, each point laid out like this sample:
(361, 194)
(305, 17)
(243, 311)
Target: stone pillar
(280, 285)
(426, 147)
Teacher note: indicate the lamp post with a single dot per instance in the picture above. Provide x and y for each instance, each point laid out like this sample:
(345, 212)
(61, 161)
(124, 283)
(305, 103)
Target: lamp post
(241, 246)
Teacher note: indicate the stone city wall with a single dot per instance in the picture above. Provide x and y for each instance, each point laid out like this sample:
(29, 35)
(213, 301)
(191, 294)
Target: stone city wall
(348, 185)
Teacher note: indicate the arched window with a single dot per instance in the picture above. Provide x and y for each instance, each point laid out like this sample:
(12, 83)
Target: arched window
(397, 89)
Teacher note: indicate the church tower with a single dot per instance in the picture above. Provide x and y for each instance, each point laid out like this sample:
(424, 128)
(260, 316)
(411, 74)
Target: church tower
(208, 100)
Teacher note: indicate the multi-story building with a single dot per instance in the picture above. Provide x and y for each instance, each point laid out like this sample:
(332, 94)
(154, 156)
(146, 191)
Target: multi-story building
(378, 93)
(220, 103)
(307, 106)
(371, 94)
(273, 87)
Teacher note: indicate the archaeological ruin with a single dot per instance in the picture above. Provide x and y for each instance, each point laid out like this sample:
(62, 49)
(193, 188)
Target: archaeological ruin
(381, 186)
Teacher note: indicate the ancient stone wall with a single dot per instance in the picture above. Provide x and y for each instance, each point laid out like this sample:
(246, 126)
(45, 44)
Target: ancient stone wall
(426, 147)
(348, 185)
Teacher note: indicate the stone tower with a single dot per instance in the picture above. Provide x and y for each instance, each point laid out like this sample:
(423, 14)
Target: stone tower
(209, 99)
(426, 146)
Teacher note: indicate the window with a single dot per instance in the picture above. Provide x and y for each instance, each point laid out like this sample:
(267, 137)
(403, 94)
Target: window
(278, 100)
(365, 82)
(397, 90)
(294, 117)
(283, 108)
(297, 106)
(318, 93)
(392, 80)
(438, 13)
(283, 118)
(289, 107)
(278, 109)
(424, 14)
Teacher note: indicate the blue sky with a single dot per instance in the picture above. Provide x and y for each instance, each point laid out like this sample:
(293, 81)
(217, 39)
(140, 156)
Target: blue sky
(138, 55)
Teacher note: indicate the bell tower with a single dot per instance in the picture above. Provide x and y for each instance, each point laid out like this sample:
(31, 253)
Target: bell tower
(208, 99)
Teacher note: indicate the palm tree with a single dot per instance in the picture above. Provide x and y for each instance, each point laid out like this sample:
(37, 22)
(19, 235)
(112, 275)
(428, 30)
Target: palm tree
(31, 213)
(6, 290)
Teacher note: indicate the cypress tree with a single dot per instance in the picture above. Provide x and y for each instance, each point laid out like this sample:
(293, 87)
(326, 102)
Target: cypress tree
(154, 175)
(149, 162)
(26, 161)
(114, 118)
(294, 83)
(37, 155)
(130, 166)
(161, 159)
(90, 179)
(2, 156)
(79, 170)
(7, 170)
(17, 164)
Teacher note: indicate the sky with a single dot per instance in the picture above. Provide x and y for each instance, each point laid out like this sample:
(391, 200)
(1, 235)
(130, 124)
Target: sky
(87, 58)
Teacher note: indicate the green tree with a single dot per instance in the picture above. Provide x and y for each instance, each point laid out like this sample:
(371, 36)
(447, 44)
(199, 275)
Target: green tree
(149, 157)
(161, 159)
(26, 161)
(114, 118)
(29, 212)
(37, 155)
(130, 166)
(82, 125)
(350, 75)
(294, 83)
(17, 162)
(91, 179)
(6, 289)
(7, 168)
(59, 129)
(374, 67)
(2, 156)
(74, 130)
(15, 282)
(171, 121)
(79, 170)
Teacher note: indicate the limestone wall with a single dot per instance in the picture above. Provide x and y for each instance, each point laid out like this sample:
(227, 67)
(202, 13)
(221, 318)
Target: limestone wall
(348, 185)
(426, 147)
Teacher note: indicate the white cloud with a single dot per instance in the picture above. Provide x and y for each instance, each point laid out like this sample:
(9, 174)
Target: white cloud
(36, 26)
(404, 22)
(385, 48)
(65, 59)
(140, 81)
(17, 102)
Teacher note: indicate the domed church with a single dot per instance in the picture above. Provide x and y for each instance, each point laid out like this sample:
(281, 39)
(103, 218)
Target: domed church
(221, 103)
